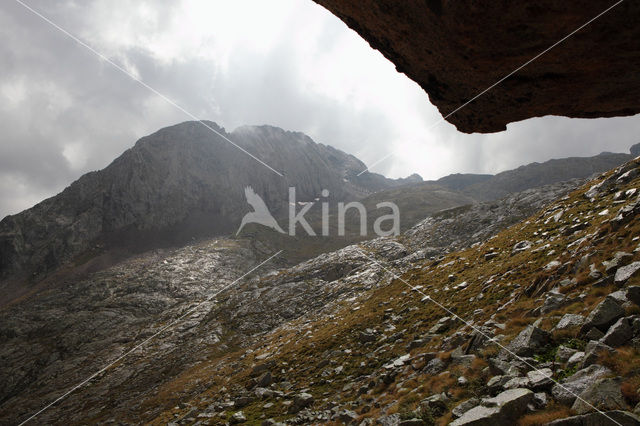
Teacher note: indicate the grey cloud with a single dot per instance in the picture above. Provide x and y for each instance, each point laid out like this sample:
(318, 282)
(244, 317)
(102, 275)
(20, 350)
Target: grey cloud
(107, 111)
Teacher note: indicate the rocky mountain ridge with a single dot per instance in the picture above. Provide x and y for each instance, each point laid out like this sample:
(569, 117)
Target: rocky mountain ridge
(181, 183)
(184, 183)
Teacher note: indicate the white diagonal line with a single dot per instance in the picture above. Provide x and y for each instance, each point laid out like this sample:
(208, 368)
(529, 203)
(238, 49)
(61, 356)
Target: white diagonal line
(145, 85)
(506, 76)
(447, 310)
(144, 342)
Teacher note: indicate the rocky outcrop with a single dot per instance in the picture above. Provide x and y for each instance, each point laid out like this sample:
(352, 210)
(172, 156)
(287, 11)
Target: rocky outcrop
(457, 49)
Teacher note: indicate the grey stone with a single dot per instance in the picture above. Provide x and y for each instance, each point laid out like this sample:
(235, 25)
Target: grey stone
(604, 394)
(300, 401)
(593, 334)
(604, 315)
(346, 416)
(564, 353)
(576, 359)
(464, 406)
(540, 379)
(366, 337)
(625, 272)
(517, 382)
(619, 259)
(569, 321)
(435, 404)
(618, 334)
(478, 416)
(527, 342)
(496, 383)
(390, 420)
(553, 301)
(567, 390)
(506, 406)
(237, 418)
(521, 246)
(540, 399)
(265, 380)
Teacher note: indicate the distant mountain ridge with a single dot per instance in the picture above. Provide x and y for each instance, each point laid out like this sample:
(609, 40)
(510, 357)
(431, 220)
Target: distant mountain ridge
(485, 188)
(185, 183)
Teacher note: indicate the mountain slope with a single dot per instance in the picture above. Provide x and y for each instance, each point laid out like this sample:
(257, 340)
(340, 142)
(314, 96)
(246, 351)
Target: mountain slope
(180, 183)
(94, 320)
(560, 290)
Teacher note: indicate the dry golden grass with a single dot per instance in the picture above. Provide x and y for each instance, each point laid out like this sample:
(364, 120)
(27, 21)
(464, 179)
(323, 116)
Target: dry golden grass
(629, 389)
(544, 417)
(625, 361)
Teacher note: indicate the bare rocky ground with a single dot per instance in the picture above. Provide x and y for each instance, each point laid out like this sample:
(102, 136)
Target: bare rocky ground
(341, 339)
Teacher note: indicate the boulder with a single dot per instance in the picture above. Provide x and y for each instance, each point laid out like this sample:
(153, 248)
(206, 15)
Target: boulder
(618, 334)
(464, 406)
(517, 382)
(553, 301)
(265, 380)
(504, 407)
(604, 394)
(603, 315)
(346, 416)
(435, 404)
(569, 321)
(300, 401)
(625, 272)
(478, 416)
(619, 259)
(497, 383)
(540, 379)
(568, 389)
(527, 342)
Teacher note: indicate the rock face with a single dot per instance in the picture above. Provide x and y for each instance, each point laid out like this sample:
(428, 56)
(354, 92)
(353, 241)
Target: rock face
(456, 50)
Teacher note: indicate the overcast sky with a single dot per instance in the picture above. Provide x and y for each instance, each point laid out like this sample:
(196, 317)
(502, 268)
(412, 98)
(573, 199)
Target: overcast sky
(288, 63)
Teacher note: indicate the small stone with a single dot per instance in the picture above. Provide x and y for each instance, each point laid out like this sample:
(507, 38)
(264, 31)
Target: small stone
(237, 418)
(576, 359)
(564, 353)
(540, 399)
